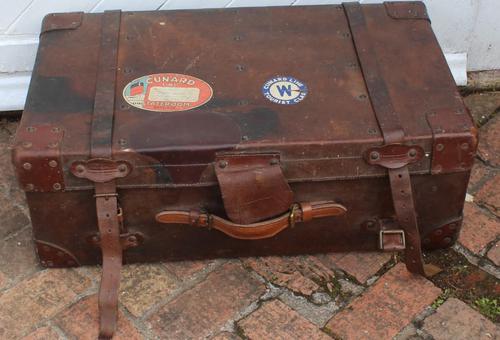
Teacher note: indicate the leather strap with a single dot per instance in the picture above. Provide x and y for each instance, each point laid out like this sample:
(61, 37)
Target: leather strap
(105, 193)
(392, 131)
(300, 212)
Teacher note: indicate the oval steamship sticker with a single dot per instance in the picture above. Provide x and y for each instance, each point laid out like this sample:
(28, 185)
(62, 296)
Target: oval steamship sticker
(167, 92)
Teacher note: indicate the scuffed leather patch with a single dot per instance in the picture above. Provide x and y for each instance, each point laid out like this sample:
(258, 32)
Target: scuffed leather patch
(61, 21)
(406, 10)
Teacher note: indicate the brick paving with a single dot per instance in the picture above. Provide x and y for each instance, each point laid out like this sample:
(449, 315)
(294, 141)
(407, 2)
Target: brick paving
(329, 296)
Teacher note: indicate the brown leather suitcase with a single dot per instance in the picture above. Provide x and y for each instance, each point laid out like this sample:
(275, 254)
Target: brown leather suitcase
(174, 135)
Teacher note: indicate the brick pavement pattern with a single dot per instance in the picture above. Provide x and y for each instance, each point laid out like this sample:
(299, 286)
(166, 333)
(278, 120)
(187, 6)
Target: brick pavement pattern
(328, 296)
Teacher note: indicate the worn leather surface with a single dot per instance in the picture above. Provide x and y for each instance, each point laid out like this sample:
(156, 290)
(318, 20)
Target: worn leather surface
(301, 212)
(253, 187)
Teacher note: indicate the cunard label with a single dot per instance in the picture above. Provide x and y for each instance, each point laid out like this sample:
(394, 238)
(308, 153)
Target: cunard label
(284, 90)
(167, 92)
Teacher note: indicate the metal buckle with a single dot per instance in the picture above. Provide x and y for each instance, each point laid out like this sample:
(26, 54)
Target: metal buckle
(291, 217)
(392, 246)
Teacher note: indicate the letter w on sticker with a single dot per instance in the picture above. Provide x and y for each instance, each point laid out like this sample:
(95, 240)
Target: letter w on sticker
(282, 89)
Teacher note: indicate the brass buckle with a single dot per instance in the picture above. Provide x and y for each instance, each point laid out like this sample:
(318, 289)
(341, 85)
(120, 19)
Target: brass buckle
(291, 217)
(392, 246)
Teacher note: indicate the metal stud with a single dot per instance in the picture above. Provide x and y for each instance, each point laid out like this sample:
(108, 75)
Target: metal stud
(440, 147)
(374, 155)
(27, 166)
(29, 187)
(57, 186)
(53, 163)
(412, 153)
(222, 164)
(80, 168)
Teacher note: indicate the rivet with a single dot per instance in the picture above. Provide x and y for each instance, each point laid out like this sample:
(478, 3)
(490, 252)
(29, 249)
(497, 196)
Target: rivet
(374, 155)
(447, 240)
(438, 232)
(31, 129)
(274, 161)
(122, 142)
(240, 67)
(440, 147)
(412, 153)
(27, 145)
(56, 186)
(362, 96)
(127, 70)
(122, 168)
(464, 146)
(52, 145)
(370, 224)
(372, 131)
(132, 239)
(53, 163)
(29, 187)
(222, 164)
(244, 137)
(237, 37)
(95, 239)
(56, 130)
(27, 166)
(80, 168)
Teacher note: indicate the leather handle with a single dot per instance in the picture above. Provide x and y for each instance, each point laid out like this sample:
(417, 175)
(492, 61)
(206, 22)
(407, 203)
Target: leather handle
(299, 212)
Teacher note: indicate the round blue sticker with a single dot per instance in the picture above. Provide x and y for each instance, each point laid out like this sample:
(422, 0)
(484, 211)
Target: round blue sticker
(284, 90)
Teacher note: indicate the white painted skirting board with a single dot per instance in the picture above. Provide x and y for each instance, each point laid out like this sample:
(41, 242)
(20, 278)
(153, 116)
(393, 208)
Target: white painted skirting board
(15, 74)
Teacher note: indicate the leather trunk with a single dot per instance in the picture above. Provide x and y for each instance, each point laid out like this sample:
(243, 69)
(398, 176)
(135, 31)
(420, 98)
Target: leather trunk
(193, 118)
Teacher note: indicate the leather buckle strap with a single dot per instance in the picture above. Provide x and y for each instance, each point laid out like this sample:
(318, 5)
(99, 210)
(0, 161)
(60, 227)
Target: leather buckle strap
(108, 221)
(103, 171)
(393, 133)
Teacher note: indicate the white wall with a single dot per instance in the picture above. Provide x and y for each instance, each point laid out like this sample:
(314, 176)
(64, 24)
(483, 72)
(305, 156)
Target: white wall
(467, 30)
